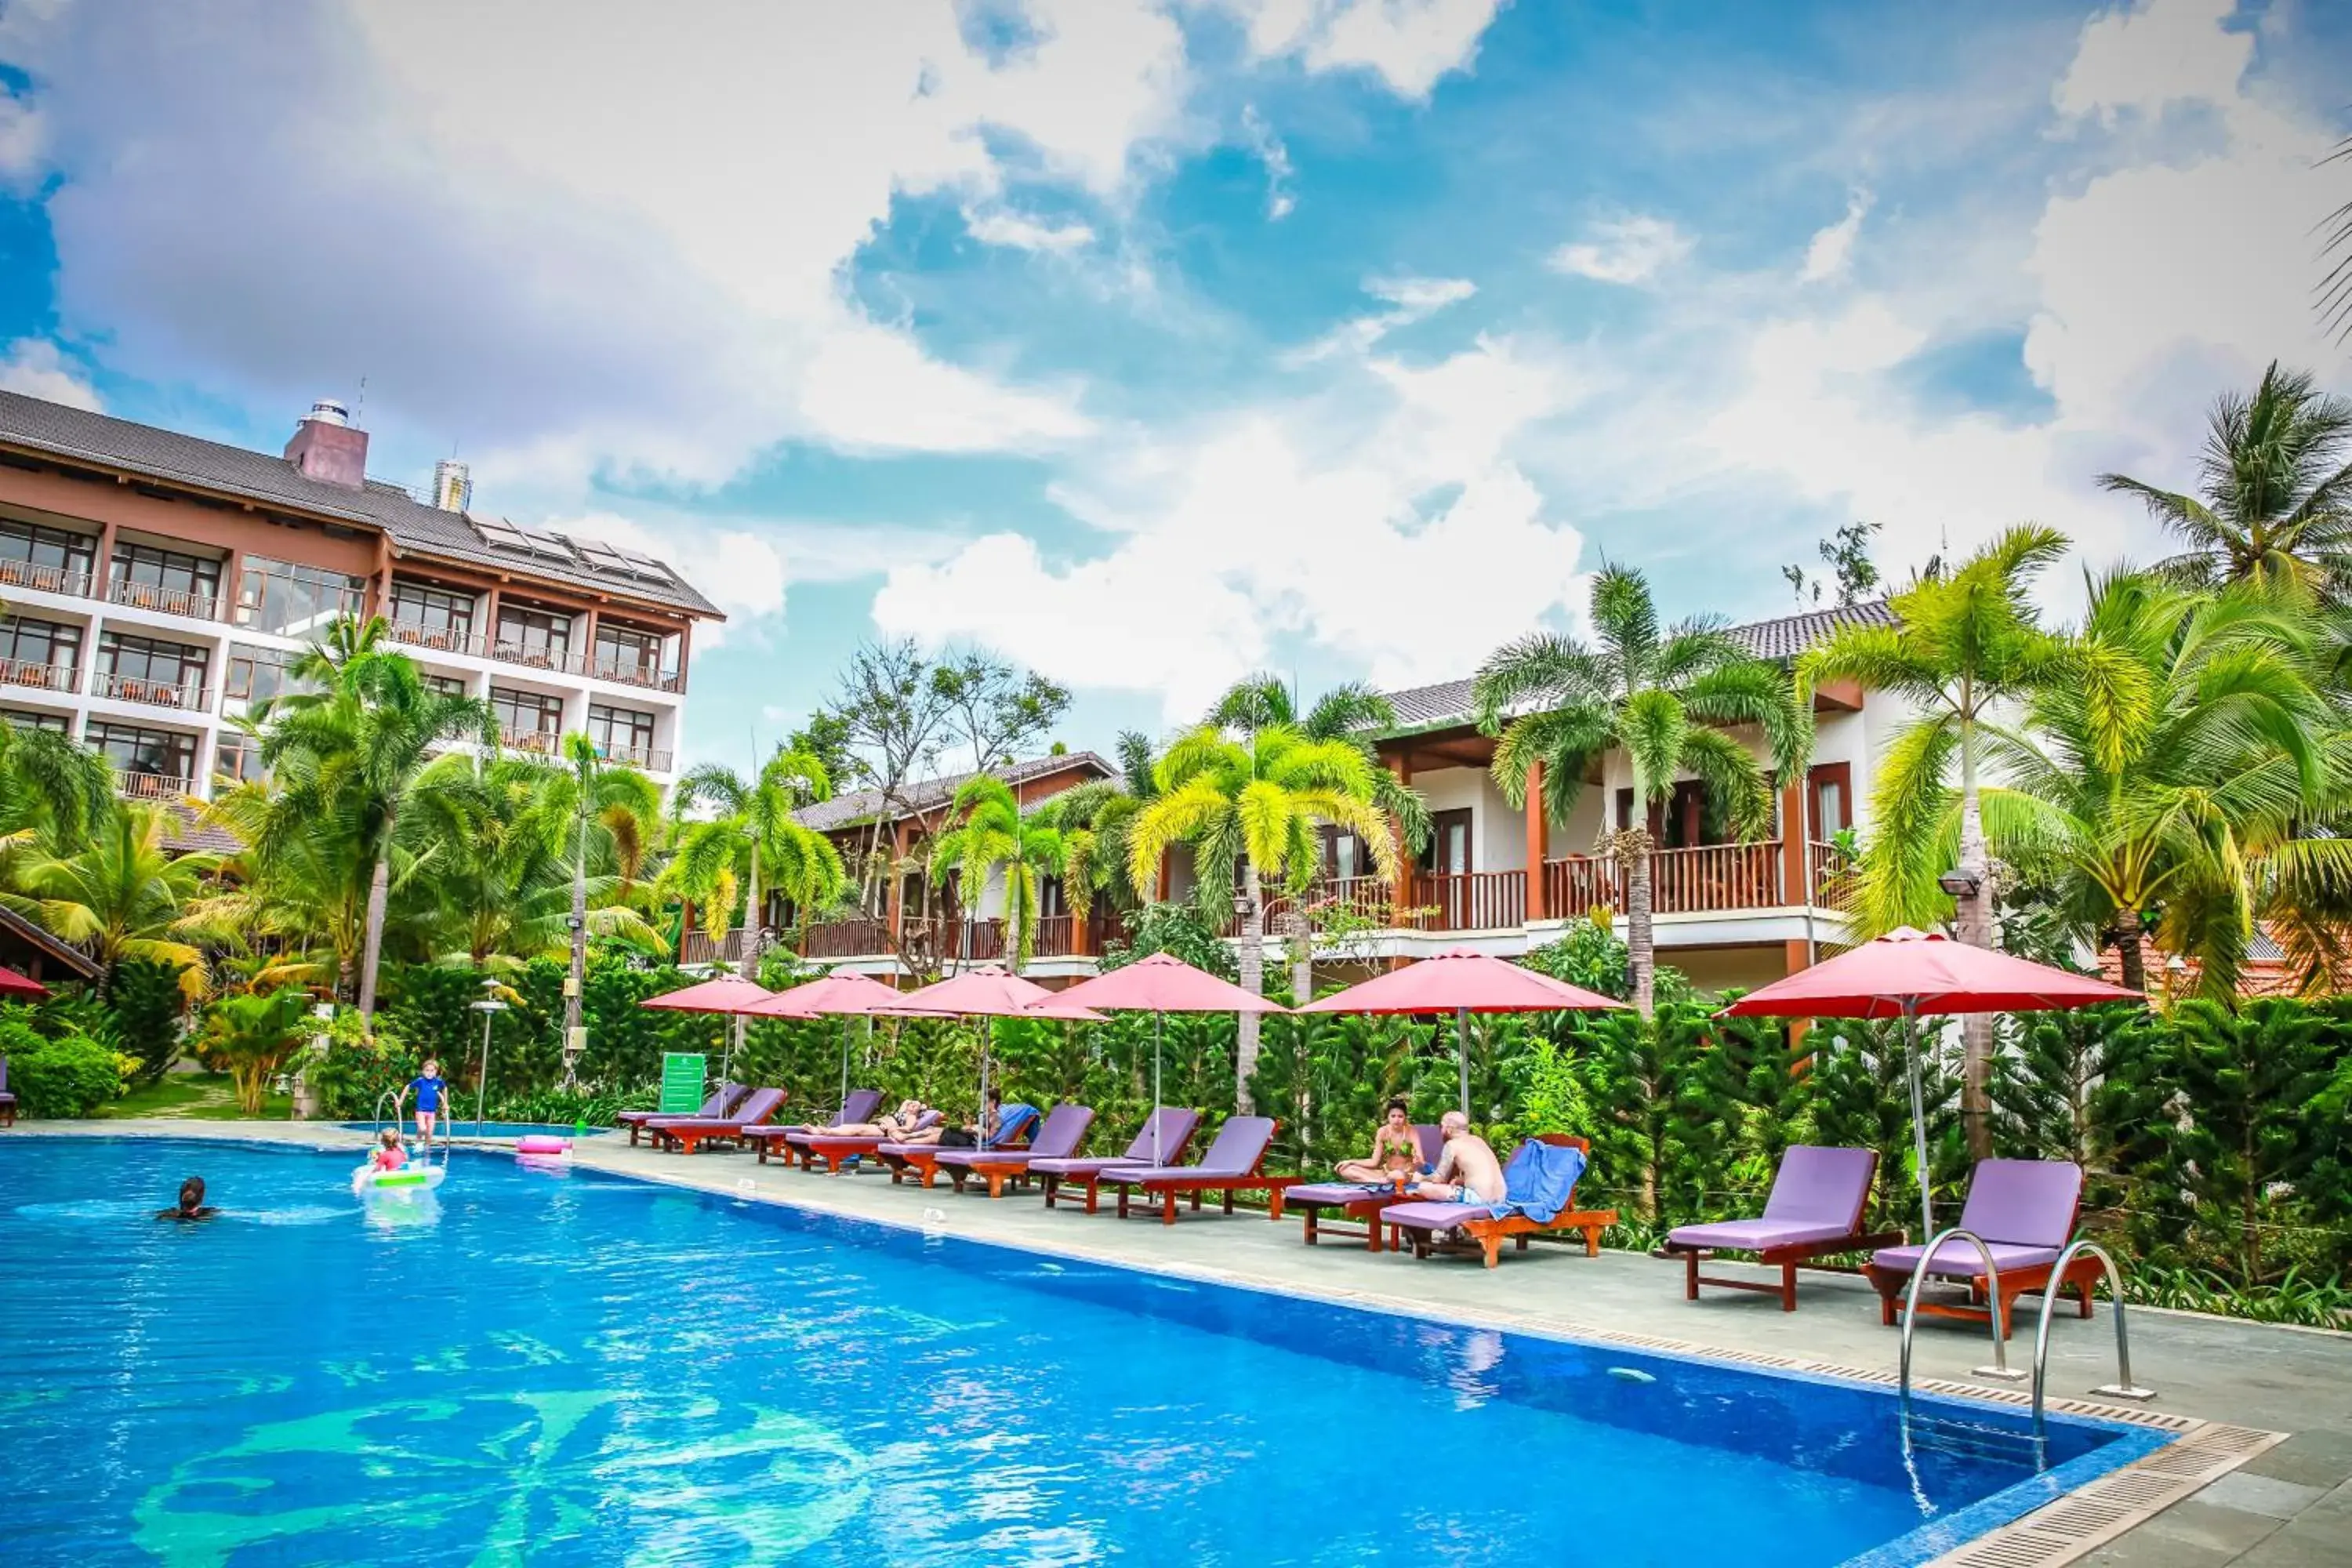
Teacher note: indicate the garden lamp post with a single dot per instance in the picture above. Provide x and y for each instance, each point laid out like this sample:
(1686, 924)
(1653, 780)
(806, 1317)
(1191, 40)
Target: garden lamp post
(489, 1007)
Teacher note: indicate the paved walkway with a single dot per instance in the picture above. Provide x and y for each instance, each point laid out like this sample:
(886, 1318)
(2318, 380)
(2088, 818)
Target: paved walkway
(2287, 1508)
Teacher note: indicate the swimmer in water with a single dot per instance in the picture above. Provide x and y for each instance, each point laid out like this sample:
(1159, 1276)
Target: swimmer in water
(191, 1202)
(388, 1155)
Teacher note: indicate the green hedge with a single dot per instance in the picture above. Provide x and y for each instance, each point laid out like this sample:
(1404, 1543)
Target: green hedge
(67, 1077)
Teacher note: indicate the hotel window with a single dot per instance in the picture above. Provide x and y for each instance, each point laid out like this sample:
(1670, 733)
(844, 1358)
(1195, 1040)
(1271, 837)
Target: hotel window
(447, 685)
(165, 580)
(1832, 792)
(540, 634)
(150, 661)
(441, 617)
(38, 652)
(620, 731)
(292, 600)
(259, 674)
(239, 759)
(634, 655)
(51, 559)
(54, 723)
(525, 716)
(160, 753)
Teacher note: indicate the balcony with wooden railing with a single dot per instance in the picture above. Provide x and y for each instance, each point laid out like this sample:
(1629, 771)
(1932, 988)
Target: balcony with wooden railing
(531, 742)
(45, 578)
(188, 601)
(152, 787)
(188, 695)
(39, 677)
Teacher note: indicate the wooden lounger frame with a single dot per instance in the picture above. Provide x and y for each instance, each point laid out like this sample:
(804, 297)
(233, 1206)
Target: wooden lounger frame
(2083, 1275)
(1173, 1182)
(1788, 1260)
(923, 1164)
(1365, 1210)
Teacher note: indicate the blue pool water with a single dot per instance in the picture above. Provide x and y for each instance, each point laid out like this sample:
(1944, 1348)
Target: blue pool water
(466, 1127)
(557, 1367)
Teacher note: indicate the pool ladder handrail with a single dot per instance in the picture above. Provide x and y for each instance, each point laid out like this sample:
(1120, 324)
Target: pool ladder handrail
(2000, 1368)
(2123, 1387)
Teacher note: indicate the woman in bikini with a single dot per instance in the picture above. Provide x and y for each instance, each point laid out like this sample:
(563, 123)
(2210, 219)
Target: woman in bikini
(1396, 1150)
(897, 1127)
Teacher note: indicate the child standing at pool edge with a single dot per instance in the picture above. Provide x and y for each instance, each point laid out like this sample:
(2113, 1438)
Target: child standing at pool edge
(428, 1087)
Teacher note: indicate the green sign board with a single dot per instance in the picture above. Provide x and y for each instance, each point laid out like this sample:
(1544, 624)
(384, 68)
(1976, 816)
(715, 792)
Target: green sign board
(681, 1093)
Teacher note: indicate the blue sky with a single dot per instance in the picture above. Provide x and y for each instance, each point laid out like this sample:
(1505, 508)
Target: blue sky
(1151, 341)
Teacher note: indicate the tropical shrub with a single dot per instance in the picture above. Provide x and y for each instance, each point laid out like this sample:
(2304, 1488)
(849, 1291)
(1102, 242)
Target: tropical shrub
(64, 1078)
(147, 1003)
(252, 1035)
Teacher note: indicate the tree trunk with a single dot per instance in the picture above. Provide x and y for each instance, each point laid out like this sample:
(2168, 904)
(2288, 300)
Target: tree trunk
(2131, 951)
(576, 994)
(1253, 967)
(1301, 935)
(750, 967)
(379, 893)
(1640, 943)
(1972, 923)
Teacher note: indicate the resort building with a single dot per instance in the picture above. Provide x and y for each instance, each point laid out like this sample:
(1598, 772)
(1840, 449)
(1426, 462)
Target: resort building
(155, 586)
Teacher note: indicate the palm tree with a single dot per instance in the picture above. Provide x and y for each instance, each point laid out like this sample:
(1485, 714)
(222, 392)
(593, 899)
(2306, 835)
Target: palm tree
(615, 811)
(2232, 746)
(52, 789)
(1255, 806)
(754, 841)
(985, 836)
(1965, 644)
(2274, 491)
(123, 894)
(1659, 696)
(1094, 820)
(344, 753)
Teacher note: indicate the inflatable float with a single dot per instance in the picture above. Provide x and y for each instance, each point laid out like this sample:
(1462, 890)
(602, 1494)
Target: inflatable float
(409, 1181)
(542, 1146)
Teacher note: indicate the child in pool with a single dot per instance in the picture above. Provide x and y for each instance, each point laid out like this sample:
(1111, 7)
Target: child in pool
(388, 1155)
(428, 1087)
(191, 1203)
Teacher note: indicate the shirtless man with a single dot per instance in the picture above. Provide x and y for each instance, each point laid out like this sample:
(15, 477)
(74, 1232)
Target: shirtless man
(1396, 1150)
(1467, 1172)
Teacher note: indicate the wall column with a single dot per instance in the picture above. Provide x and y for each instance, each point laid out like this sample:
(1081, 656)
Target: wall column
(1536, 825)
(101, 570)
(1793, 857)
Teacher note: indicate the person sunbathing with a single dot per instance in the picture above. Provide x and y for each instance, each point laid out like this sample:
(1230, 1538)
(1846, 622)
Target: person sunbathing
(1467, 1172)
(900, 1126)
(1396, 1150)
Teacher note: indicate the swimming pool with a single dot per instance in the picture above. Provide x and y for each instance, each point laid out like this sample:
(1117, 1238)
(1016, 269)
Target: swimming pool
(466, 1127)
(566, 1368)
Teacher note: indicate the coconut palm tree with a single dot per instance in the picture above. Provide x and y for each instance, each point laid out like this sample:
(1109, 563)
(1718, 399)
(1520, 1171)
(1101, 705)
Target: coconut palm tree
(52, 789)
(1095, 819)
(987, 837)
(752, 841)
(123, 894)
(1965, 645)
(1256, 807)
(2274, 491)
(612, 811)
(1659, 696)
(2163, 803)
(345, 751)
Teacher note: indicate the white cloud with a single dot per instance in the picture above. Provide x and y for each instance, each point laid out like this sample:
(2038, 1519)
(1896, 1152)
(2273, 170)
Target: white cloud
(35, 368)
(1413, 300)
(871, 388)
(1280, 203)
(1831, 252)
(24, 141)
(1408, 43)
(1623, 250)
(2146, 57)
(1002, 226)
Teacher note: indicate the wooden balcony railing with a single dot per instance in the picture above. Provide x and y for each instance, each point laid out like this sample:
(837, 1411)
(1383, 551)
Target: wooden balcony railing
(1829, 875)
(531, 742)
(860, 936)
(1466, 901)
(45, 578)
(188, 695)
(438, 639)
(699, 947)
(39, 677)
(170, 601)
(152, 786)
(653, 759)
(637, 672)
(1705, 878)
(1055, 936)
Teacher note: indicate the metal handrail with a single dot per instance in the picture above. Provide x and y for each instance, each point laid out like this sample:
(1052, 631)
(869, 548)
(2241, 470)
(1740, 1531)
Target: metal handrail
(2123, 1387)
(2000, 1367)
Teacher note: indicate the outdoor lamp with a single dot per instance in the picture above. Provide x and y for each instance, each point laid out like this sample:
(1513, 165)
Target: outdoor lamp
(489, 1007)
(1961, 883)
(1240, 903)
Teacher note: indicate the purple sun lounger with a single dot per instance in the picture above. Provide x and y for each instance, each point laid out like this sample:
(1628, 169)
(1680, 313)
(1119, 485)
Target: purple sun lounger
(1058, 1137)
(860, 1106)
(719, 1103)
(685, 1134)
(1815, 1210)
(1174, 1128)
(836, 1152)
(9, 1101)
(921, 1161)
(1230, 1165)
(2025, 1210)
(1359, 1200)
(1426, 1220)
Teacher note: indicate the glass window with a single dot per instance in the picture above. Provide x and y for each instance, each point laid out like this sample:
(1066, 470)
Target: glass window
(165, 580)
(55, 723)
(32, 556)
(538, 633)
(258, 674)
(620, 731)
(444, 617)
(155, 754)
(150, 660)
(38, 652)
(528, 720)
(295, 601)
(239, 759)
(631, 653)
(447, 685)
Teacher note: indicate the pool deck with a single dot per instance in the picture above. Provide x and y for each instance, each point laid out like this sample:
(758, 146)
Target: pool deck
(2288, 1506)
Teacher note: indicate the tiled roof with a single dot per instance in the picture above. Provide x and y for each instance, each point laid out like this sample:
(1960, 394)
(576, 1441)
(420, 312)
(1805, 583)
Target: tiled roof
(843, 810)
(1447, 703)
(55, 949)
(416, 529)
(185, 831)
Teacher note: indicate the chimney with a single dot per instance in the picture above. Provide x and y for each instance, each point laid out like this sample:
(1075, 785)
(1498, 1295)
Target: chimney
(453, 485)
(325, 448)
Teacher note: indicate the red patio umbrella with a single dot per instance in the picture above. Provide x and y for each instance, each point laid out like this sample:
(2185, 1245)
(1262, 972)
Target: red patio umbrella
(1910, 975)
(1163, 984)
(1461, 982)
(14, 984)
(987, 992)
(840, 994)
(727, 996)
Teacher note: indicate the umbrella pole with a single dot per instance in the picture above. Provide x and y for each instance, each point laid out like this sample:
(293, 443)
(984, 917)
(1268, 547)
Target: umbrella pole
(1918, 1115)
(1462, 1053)
(979, 1118)
(844, 1059)
(1158, 1021)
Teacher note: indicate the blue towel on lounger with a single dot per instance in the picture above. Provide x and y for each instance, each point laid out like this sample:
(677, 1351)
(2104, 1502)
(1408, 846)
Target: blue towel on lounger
(1540, 1182)
(1010, 1119)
